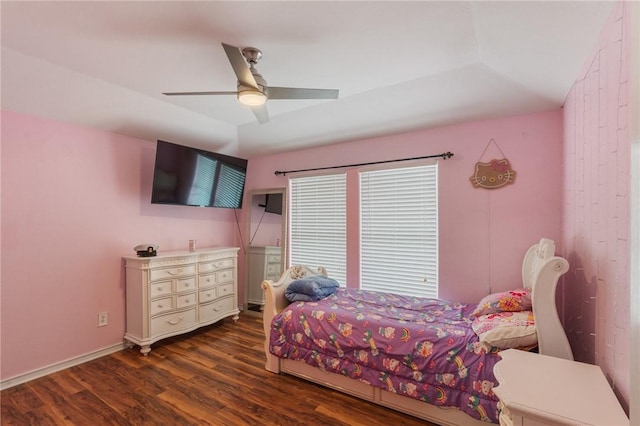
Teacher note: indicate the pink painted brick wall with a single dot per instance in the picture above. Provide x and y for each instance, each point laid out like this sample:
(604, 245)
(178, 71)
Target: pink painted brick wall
(597, 206)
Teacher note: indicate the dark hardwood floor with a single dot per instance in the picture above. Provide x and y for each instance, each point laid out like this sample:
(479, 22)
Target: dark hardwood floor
(213, 376)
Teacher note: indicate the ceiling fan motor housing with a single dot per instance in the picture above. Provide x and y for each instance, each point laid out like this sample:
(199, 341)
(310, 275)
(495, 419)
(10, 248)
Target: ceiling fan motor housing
(252, 55)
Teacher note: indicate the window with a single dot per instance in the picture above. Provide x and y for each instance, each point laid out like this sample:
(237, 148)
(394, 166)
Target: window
(318, 223)
(399, 230)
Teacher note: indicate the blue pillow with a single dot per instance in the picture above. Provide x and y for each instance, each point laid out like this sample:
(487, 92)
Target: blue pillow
(311, 289)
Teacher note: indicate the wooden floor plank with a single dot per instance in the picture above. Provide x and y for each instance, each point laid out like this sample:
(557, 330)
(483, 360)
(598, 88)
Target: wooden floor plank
(101, 412)
(214, 375)
(58, 402)
(200, 410)
(21, 398)
(11, 415)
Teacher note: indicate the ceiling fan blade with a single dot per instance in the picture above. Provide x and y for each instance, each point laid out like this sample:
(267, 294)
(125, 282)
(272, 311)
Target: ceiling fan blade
(261, 113)
(198, 93)
(301, 93)
(240, 66)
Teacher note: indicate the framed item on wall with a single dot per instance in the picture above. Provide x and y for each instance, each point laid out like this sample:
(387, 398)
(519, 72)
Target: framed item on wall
(493, 174)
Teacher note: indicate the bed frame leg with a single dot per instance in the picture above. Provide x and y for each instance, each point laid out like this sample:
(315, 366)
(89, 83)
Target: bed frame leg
(272, 364)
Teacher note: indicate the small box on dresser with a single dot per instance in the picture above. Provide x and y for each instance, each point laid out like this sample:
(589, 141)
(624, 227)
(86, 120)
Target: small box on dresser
(177, 292)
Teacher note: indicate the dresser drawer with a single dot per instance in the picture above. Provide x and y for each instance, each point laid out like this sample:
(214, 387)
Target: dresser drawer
(174, 272)
(172, 322)
(208, 280)
(225, 276)
(158, 306)
(185, 284)
(217, 309)
(186, 300)
(208, 295)
(274, 258)
(216, 265)
(160, 288)
(225, 290)
(273, 268)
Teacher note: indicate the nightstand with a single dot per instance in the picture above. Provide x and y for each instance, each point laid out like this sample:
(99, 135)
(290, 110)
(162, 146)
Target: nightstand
(539, 390)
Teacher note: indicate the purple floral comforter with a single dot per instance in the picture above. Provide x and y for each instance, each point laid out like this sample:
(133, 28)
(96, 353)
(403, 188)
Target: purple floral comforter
(418, 347)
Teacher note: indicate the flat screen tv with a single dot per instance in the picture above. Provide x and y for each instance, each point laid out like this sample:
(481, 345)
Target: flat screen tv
(193, 177)
(273, 203)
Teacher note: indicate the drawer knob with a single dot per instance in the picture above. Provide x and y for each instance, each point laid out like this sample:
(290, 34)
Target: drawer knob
(160, 306)
(186, 300)
(178, 271)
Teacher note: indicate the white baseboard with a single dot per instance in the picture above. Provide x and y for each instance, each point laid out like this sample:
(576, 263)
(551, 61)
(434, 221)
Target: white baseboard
(41, 372)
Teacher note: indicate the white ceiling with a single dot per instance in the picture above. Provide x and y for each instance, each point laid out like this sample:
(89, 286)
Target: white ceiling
(399, 65)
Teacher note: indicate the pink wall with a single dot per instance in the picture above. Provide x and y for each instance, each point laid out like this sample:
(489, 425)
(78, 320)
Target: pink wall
(483, 233)
(74, 200)
(596, 227)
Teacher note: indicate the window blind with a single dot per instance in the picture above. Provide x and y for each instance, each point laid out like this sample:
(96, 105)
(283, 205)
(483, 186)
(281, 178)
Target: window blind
(399, 230)
(318, 223)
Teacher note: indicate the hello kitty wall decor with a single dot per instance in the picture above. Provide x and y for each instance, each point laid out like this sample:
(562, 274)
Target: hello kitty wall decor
(493, 174)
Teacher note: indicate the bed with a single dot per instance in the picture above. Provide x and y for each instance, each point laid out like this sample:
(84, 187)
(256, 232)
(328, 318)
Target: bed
(425, 357)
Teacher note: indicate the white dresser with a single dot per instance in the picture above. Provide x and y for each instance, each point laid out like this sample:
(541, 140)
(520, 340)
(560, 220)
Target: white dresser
(540, 390)
(177, 292)
(265, 263)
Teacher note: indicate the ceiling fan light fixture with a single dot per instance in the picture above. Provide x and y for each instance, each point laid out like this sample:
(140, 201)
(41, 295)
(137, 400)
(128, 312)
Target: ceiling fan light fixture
(252, 97)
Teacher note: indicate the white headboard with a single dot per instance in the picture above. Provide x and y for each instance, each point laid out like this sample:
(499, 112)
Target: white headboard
(533, 258)
(541, 271)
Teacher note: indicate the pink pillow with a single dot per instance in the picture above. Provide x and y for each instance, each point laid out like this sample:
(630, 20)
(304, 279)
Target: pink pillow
(506, 301)
(507, 329)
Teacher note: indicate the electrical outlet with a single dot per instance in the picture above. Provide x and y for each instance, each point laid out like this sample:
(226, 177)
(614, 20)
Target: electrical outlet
(102, 319)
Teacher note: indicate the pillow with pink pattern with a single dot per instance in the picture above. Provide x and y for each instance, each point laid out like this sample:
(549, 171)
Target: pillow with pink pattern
(507, 329)
(506, 301)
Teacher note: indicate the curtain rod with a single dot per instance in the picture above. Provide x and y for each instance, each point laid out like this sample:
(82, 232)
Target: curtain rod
(445, 156)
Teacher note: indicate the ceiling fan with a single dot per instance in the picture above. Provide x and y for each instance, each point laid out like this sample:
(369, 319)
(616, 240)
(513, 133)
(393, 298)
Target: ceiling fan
(252, 88)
